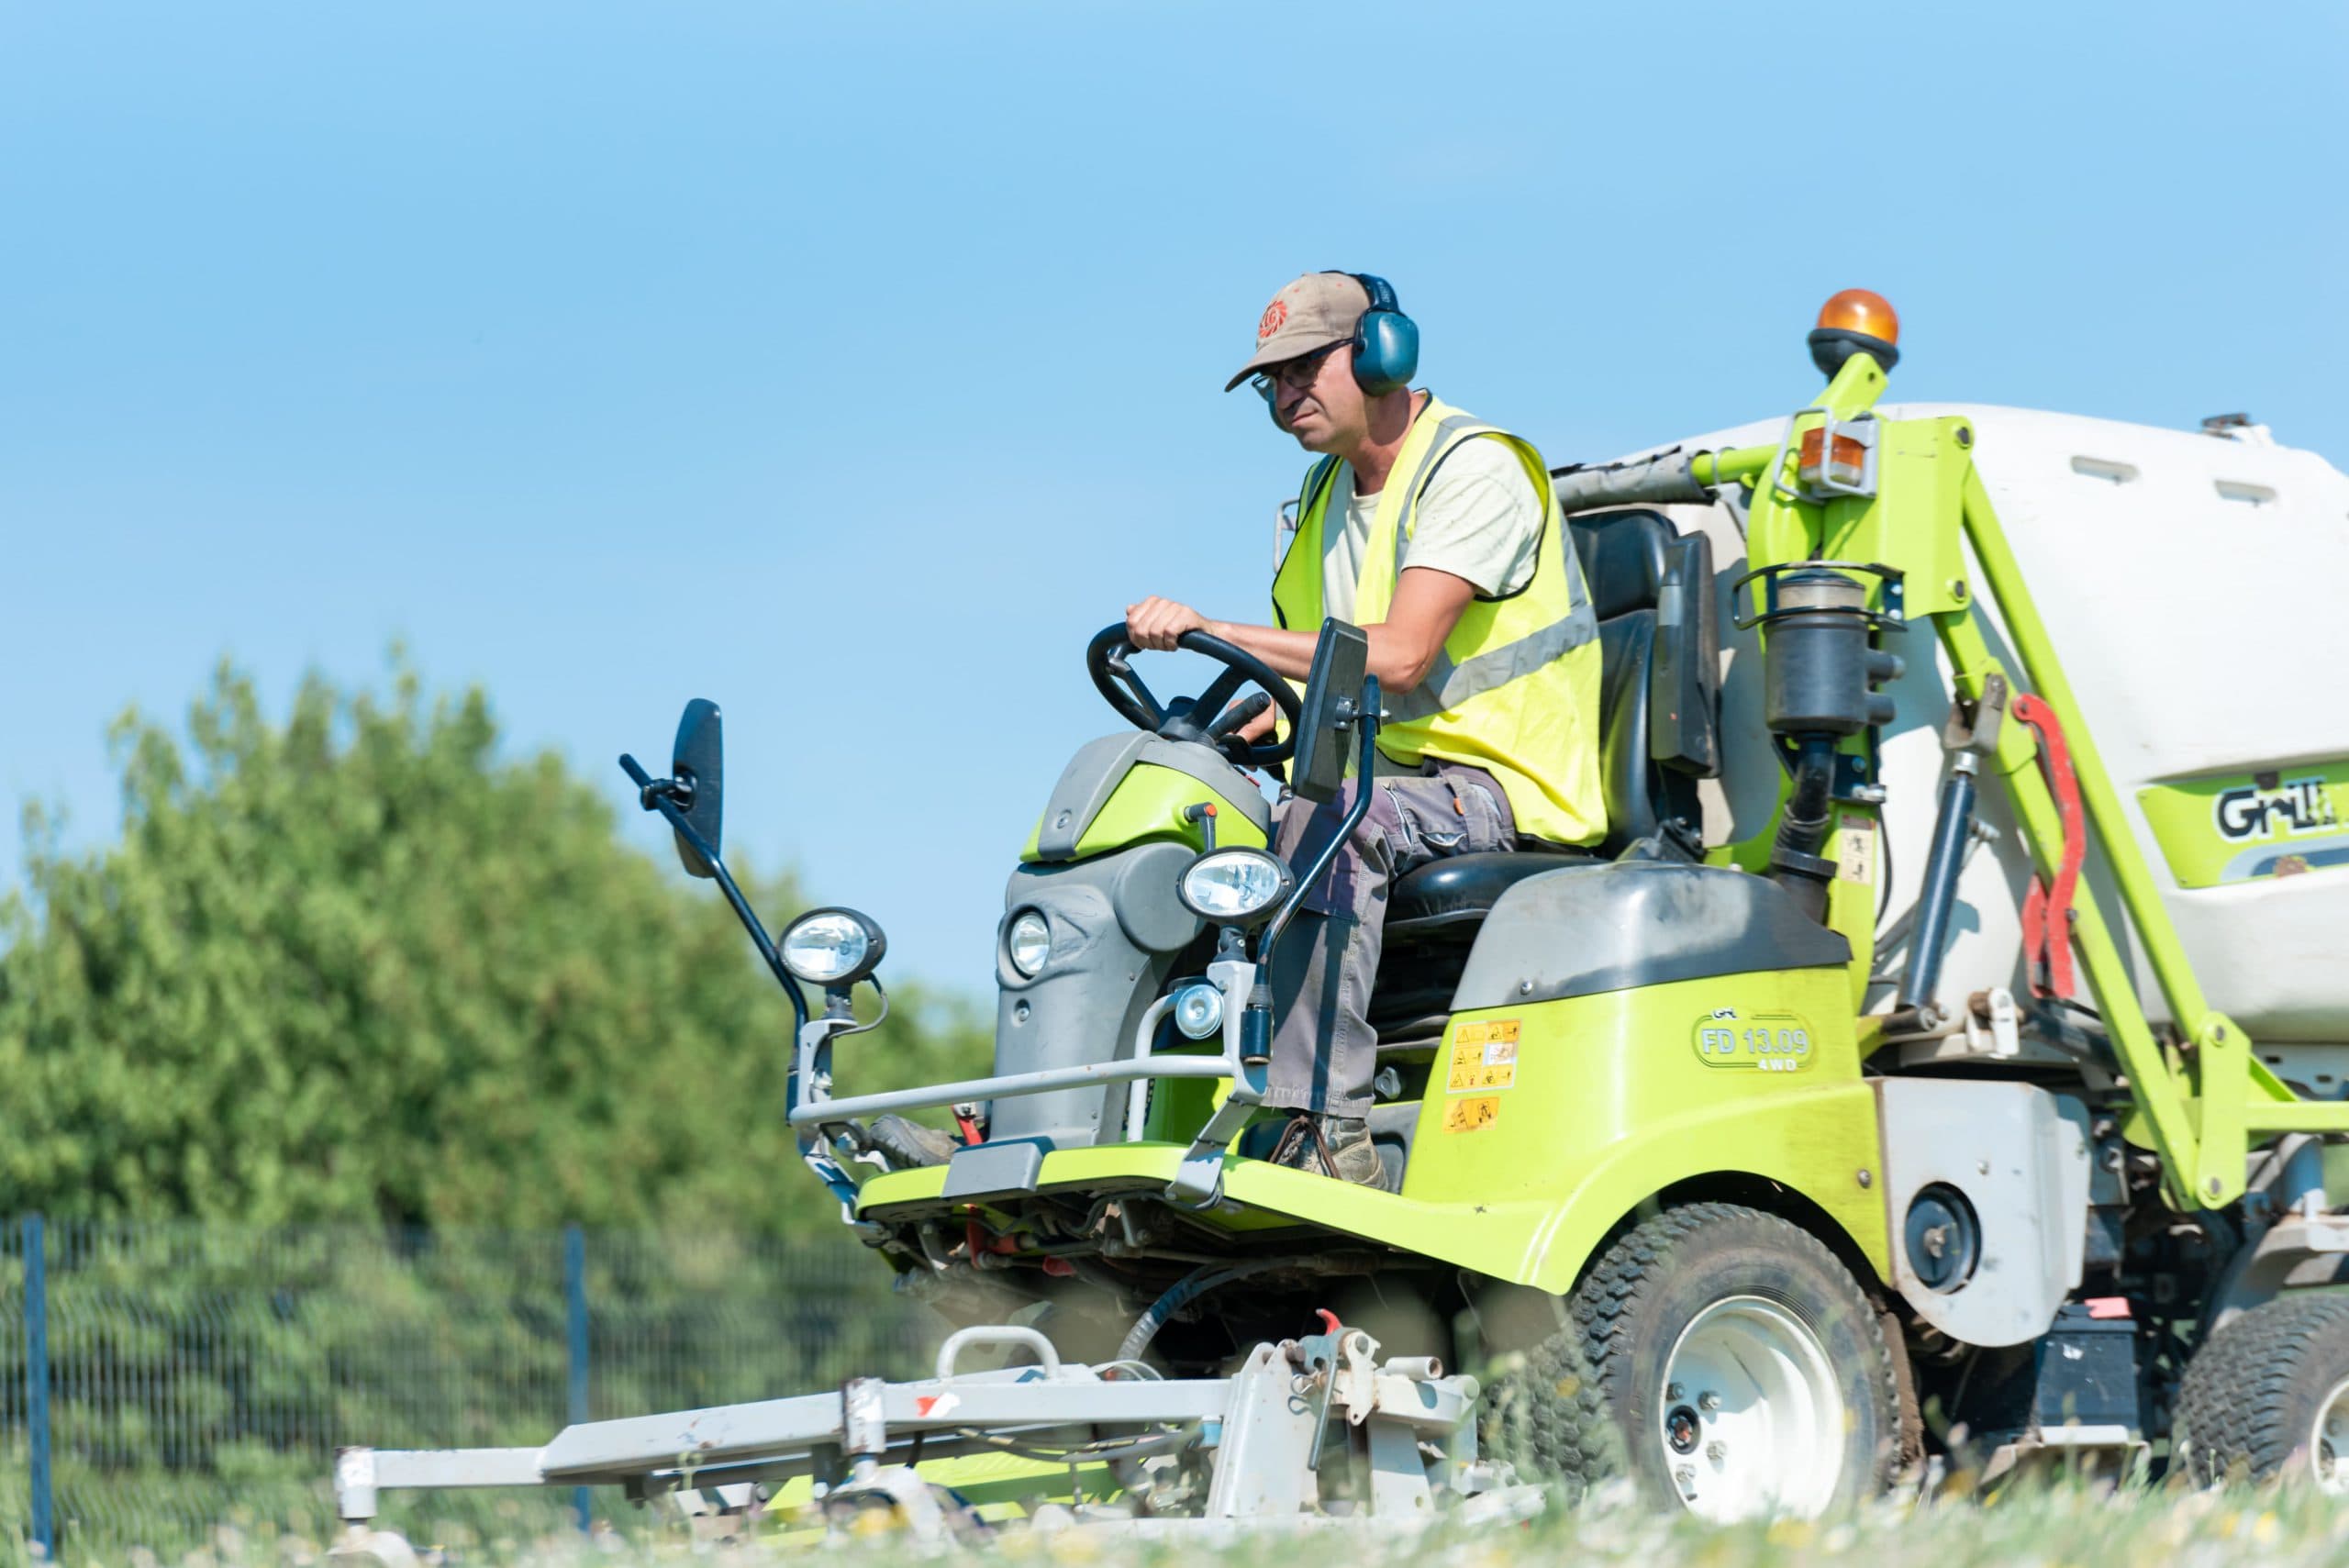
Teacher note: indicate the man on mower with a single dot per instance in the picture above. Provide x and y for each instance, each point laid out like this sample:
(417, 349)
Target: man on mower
(1439, 537)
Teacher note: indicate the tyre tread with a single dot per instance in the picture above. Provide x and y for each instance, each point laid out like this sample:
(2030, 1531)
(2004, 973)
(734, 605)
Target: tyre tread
(2232, 1403)
(1572, 1437)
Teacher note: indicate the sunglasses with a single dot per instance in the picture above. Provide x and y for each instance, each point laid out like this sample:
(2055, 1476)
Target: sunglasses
(1296, 374)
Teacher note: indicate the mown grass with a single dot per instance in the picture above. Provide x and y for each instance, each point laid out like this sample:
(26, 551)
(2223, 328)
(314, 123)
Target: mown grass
(2022, 1527)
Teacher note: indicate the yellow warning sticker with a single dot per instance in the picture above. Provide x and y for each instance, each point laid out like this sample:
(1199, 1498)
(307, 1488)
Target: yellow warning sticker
(1855, 854)
(1472, 1115)
(1483, 1056)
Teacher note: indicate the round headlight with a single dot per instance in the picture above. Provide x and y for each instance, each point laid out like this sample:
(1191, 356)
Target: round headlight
(1198, 1011)
(1233, 886)
(832, 947)
(1028, 942)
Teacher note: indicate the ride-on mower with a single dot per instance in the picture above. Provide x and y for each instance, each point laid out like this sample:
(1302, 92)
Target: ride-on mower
(1853, 1109)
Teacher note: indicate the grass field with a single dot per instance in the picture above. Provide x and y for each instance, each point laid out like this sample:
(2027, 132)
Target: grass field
(2060, 1527)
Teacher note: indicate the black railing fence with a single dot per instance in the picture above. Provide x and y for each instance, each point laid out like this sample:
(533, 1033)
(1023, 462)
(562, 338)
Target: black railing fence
(159, 1384)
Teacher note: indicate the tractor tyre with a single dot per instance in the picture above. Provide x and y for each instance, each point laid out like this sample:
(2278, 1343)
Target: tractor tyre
(2268, 1395)
(1721, 1357)
(1543, 1416)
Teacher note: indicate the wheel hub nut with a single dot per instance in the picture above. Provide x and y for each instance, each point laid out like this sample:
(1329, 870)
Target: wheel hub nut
(1672, 1393)
(1717, 1451)
(1686, 1476)
(1709, 1400)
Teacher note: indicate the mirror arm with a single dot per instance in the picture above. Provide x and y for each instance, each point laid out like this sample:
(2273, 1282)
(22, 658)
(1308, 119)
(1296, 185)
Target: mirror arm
(659, 801)
(1364, 721)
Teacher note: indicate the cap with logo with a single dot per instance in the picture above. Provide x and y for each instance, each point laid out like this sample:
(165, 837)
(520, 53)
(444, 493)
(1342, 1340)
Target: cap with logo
(1317, 310)
(1321, 309)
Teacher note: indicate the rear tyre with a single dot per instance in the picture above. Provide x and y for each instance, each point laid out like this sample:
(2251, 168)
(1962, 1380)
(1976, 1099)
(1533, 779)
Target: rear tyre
(2268, 1395)
(1719, 1357)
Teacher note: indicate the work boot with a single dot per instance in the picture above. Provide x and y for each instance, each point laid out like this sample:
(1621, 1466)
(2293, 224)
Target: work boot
(909, 1144)
(1337, 1146)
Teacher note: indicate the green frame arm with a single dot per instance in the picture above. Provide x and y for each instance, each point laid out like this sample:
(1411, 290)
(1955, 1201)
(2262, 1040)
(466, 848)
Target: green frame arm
(2202, 1099)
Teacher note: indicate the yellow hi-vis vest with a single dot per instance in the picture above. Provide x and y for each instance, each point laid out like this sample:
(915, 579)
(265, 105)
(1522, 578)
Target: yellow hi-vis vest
(1515, 691)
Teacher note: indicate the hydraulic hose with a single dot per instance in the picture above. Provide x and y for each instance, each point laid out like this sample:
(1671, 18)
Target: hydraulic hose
(1952, 830)
(1794, 862)
(1198, 1282)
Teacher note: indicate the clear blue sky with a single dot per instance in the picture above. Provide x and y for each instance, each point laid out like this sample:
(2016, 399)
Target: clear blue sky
(851, 365)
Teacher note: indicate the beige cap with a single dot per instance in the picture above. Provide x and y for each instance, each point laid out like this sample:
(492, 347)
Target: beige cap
(1317, 310)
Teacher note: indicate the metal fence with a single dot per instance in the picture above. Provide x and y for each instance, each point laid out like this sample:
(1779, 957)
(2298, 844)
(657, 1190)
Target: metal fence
(159, 1384)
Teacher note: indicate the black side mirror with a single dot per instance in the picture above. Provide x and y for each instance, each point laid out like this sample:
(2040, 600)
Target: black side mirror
(1333, 693)
(699, 768)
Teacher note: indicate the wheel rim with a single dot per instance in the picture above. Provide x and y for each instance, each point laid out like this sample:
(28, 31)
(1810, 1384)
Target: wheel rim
(1751, 1422)
(2329, 1441)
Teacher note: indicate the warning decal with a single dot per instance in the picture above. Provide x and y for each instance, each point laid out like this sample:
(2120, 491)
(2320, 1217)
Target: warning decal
(1472, 1115)
(1483, 1056)
(1855, 854)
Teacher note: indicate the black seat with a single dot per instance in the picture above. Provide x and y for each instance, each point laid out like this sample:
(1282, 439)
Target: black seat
(1659, 733)
(1464, 887)
(1659, 717)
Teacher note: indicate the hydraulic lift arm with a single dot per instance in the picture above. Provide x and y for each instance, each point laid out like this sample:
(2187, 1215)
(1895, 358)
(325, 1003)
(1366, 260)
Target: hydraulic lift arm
(1920, 507)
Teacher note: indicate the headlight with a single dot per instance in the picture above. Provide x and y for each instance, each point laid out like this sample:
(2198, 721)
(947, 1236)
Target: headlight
(832, 947)
(1198, 1011)
(1027, 943)
(1232, 887)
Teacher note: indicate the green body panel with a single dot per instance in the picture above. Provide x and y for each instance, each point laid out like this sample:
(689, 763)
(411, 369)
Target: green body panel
(1149, 803)
(1612, 1100)
(999, 1485)
(1609, 1099)
(2244, 827)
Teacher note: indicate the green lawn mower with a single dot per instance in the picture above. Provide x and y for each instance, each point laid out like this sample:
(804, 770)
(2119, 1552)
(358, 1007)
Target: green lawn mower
(1852, 1114)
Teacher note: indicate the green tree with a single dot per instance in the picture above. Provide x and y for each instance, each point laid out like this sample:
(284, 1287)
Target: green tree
(359, 966)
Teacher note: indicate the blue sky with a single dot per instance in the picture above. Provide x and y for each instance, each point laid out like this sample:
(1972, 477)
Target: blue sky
(851, 365)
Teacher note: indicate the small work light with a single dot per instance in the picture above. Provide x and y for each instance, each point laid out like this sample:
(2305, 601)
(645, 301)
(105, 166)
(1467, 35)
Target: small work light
(832, 947)
(1198, 1011)
(1028, 942)
(1233, 887)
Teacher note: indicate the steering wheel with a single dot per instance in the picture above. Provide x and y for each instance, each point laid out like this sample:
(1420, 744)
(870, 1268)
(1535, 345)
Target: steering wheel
(1201, 719)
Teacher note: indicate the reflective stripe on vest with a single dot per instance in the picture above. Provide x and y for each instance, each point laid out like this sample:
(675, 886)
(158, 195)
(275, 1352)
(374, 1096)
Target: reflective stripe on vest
(1515, 688)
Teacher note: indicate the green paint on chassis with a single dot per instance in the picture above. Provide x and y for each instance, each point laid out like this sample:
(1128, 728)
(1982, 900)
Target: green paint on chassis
(1148, 805)
(2244, 827)
(1611, 1104)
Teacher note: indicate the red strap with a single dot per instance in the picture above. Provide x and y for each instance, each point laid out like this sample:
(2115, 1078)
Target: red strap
(2047, 911)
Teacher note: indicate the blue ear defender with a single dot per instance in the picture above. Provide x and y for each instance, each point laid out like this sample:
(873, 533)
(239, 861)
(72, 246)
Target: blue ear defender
(1385, 348)
(1387, 342)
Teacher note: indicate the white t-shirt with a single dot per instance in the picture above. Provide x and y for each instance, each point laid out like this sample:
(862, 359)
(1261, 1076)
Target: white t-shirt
(1479, 520)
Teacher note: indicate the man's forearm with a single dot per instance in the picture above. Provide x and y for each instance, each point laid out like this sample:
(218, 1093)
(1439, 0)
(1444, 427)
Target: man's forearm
(1399, 662)
(1289, 652)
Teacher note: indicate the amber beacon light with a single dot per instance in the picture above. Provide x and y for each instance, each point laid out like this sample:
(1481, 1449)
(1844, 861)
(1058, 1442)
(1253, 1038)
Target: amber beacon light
(1855, 321)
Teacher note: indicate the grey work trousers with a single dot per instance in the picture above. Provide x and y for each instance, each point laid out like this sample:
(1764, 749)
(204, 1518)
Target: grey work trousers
(1324, 1051)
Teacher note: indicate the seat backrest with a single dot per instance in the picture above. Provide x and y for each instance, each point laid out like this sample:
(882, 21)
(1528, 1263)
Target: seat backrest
(1659, 652)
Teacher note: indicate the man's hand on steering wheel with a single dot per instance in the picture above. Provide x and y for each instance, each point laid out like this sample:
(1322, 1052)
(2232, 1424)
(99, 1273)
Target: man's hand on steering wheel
(1236, 730)
(1157, 624)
